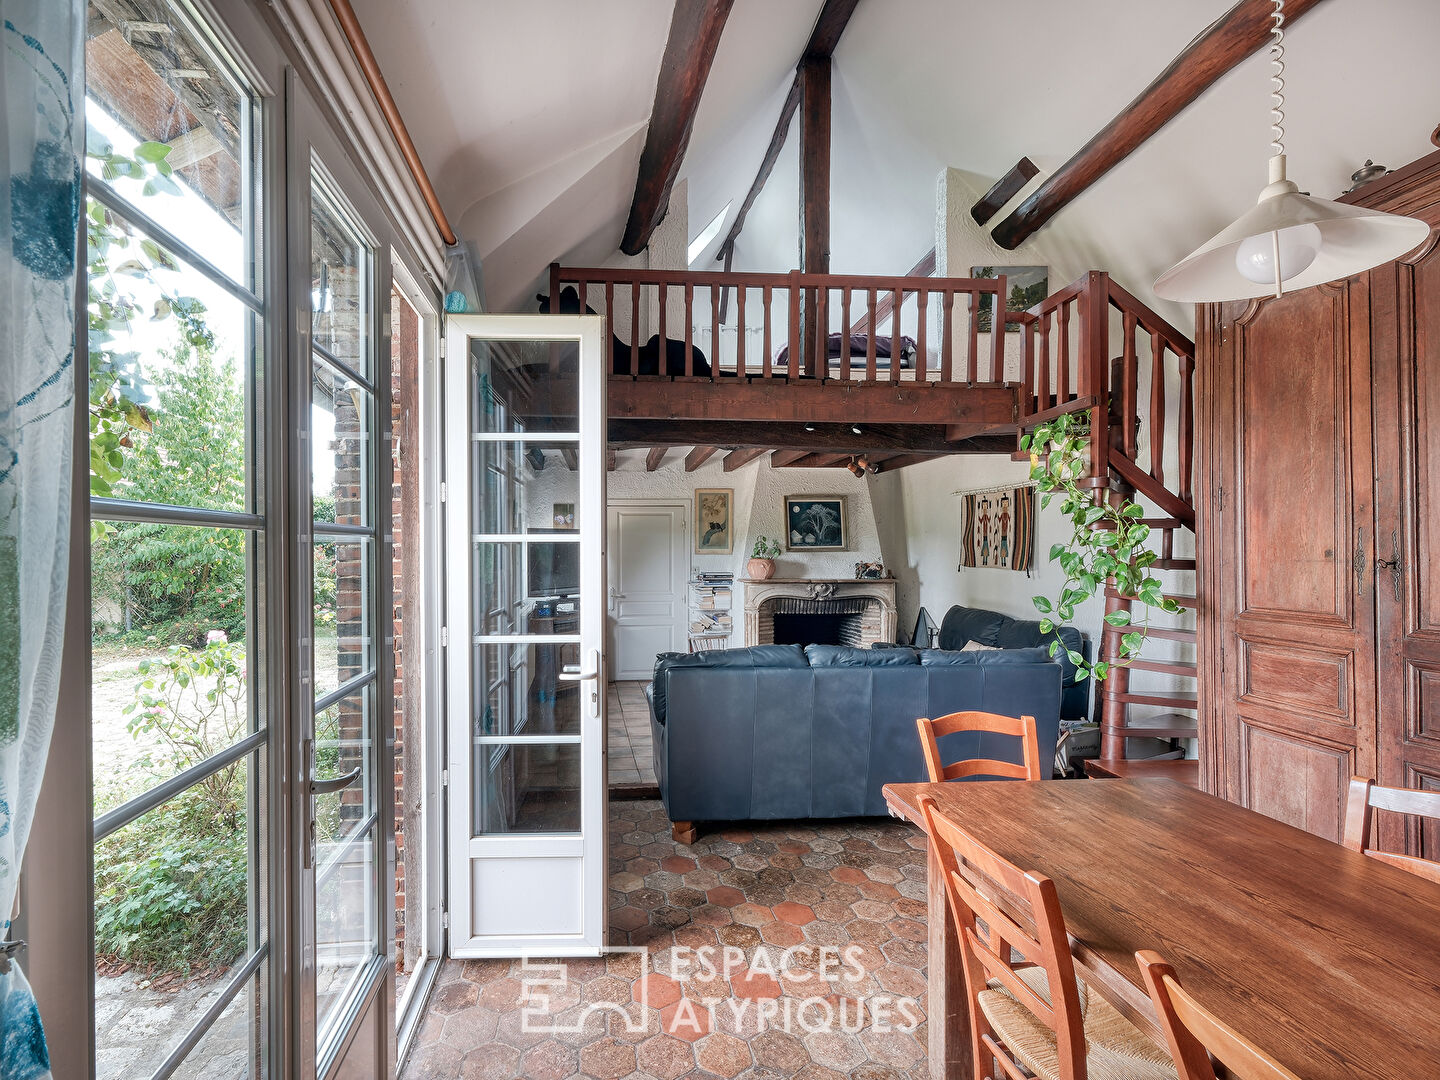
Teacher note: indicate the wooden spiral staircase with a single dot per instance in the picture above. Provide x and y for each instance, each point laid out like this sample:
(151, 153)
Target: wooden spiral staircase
(1136, 372)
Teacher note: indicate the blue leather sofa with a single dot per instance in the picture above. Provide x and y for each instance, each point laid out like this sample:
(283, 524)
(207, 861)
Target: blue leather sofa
(778, 731)
(963, 625)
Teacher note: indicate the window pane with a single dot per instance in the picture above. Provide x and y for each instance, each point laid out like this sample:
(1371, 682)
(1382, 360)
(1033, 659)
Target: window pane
(525, 486)
(527, 788)
(343, 612)
(170, 672)
(169, 127)
(234, 1047)
(506, 374)
(527, 588)
(344, 742)
(340, 462)
(345, 919)
(339, 283)
(170, 358)
(519, 690)
(173, 902)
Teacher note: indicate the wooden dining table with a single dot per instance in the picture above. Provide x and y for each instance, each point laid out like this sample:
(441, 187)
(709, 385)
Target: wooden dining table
(1326, 959)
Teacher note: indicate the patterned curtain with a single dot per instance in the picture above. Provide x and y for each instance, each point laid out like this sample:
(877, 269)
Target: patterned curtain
(42, 87)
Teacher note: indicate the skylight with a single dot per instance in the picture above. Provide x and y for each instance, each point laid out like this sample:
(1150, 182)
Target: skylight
(701, 242)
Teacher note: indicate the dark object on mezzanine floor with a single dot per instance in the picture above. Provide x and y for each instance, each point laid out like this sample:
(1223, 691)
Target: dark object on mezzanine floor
(620, 350)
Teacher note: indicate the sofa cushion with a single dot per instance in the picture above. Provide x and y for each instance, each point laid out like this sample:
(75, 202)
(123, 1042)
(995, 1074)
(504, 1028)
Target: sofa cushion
(964, 624)
(840, 656)
(758, 656)
(985, 658)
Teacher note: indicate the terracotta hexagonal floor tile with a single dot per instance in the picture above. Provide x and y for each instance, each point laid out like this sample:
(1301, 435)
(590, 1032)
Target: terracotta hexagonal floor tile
(871, 933)
(725, 896)
(438, 1062)
(752, 914)
(834, 1050)
(877, 890)
(714, 862)
(710, 915)
(737, 836)
(665, 1057)
(493, 1061)
(549, 1060)
(626, 881)
(847, 874)
(894, 1048)
(628, 918)
(906, 953)
(883, 873)
(909, 929)
(484, 971)
(624, 965)
(901, 980)
(779, 1051)
(452, 997)
(469, 1028)
(656, 991)
(685, 1020)
(723, 1055)
(794, 847)
(794, 914)
(610, 988)
(745, 983)
(607, 1059)
(677, 864)
(876, 910)
(910, 908)
(687, 897)
(782, 934)
(742, 937)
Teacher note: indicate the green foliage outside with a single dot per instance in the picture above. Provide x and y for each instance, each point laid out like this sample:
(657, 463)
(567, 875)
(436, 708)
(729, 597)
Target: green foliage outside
(1108, 542)
(170, 888)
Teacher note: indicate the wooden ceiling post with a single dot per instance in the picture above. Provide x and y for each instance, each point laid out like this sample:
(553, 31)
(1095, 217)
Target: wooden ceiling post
(1223, 44)
(695, 28)
(814, 195)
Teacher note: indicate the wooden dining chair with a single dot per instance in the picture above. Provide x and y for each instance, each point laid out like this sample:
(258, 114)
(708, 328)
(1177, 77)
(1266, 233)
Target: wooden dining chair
(1195, 1034)
(1364, 798)
(1022, 727)
(1032, 1013)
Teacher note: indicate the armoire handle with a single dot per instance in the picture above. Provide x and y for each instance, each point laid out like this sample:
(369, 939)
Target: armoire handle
(1358, 561)
(1393, 564)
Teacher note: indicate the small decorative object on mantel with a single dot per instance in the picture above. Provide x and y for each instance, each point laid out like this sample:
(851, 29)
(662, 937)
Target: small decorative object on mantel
(870, 570)
(997, 528)
(1365, 174)
(815, 523)
(761, 566)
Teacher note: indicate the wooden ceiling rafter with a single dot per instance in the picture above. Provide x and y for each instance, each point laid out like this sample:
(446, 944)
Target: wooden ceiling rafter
(698, 456)
(924, 268)
(1003, 190)
(1221, 46)
(736, 459)
(654, 458)
(695, 28)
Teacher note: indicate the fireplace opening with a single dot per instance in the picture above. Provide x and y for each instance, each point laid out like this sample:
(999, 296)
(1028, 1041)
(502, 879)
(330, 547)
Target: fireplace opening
(813, 629)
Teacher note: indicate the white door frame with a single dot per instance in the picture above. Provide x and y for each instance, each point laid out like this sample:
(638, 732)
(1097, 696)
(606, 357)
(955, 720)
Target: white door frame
(686, 508)
(523, 860)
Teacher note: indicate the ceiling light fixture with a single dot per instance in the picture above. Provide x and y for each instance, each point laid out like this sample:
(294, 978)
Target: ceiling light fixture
(1288, 241)
(855, 467)
(809, 427)
(856, 429)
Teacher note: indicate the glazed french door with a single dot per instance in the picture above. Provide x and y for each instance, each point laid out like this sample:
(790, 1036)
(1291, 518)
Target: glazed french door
(525, 614)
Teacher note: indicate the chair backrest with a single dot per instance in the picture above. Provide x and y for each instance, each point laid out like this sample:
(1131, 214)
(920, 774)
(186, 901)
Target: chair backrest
(988, 889)
(1365, 797)
(1022, 727)
(1195, 1034)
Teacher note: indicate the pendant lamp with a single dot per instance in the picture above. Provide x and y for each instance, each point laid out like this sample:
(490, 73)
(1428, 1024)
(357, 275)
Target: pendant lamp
(1288, 241)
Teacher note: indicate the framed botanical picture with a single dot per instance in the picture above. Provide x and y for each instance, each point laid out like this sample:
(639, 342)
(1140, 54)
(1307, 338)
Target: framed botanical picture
(815, 523)
(714, 521)
(1027, 286)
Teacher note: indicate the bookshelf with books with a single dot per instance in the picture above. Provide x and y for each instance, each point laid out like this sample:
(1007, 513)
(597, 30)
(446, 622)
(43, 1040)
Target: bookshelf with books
(710, 620)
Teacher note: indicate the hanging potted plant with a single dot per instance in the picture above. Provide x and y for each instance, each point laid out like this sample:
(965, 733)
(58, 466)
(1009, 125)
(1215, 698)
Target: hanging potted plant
(1107, 546)
(761, 566)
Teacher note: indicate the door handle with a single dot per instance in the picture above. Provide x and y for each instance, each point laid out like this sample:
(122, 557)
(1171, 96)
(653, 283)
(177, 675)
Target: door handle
(572, 673)
(1393, 564)
(320, 787)
(339, 783)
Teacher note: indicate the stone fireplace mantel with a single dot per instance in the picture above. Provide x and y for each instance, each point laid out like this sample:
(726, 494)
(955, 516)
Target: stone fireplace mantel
(878, 621)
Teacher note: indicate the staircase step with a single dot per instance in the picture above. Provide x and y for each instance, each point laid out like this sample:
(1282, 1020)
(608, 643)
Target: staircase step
(1172, 699)
(1162, 726)
(1186, 772)
(1173, 564)
(1166, 633)
(1181, 599)
(1186, 668)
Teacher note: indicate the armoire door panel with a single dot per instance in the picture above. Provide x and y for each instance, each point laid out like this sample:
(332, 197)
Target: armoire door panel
(1294, 441)
(1315, 681)
(1297, 781)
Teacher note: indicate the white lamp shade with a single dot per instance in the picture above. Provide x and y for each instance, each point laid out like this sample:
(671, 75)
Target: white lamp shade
(1352, 239)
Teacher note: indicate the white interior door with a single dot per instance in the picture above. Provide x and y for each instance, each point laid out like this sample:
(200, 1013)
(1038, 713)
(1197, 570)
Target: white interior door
(649, 570)
(525, 615)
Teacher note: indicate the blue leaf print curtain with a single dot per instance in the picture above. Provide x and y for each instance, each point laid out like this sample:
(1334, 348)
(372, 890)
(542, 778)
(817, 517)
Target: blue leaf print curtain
(42, 89)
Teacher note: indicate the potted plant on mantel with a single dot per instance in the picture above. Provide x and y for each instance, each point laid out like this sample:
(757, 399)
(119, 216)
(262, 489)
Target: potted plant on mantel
(761, 566)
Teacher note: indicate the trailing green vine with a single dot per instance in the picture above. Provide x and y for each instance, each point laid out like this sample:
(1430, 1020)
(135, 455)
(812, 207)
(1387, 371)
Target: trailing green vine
(1108, 543)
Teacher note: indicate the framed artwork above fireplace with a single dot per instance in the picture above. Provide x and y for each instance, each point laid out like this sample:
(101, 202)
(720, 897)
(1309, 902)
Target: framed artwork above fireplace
(815, 523)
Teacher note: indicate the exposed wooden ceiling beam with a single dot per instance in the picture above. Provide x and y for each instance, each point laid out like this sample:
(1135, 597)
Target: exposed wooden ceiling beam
(814, 167)
(572, 459)
(735, 459)
(811, 401)
(611, 460)
(781, 458)
(655, 457)
(905, 460)
(825, 35)
(1003, 190)
(697, 457)
(924, 268)
(785, 437)
(1221, 46)
(695, 28)
(817, 461)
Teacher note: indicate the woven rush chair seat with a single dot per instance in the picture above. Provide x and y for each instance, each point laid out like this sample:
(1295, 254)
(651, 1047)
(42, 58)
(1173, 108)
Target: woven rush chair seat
(1116, 1049)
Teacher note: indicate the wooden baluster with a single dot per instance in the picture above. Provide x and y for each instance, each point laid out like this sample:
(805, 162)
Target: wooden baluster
(1129, 388)
(689, 328)
(1185, 429)
(1042, 366)
(997, 333)
(634, 328)
(922, 359)
(972, 353)
(765, 297)
(609, 327)
(845, 330)
(1027, 368)
(947, 334)
(1062, 370)
(822, 333)
(663, 337)
(870, 339)
(897, 302)
(1157, 406)
(794, 358)
(739, 331)
(714, 333)
(1094, 374)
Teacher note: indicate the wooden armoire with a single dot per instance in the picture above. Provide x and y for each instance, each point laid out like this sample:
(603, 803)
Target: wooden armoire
(1318, 492)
